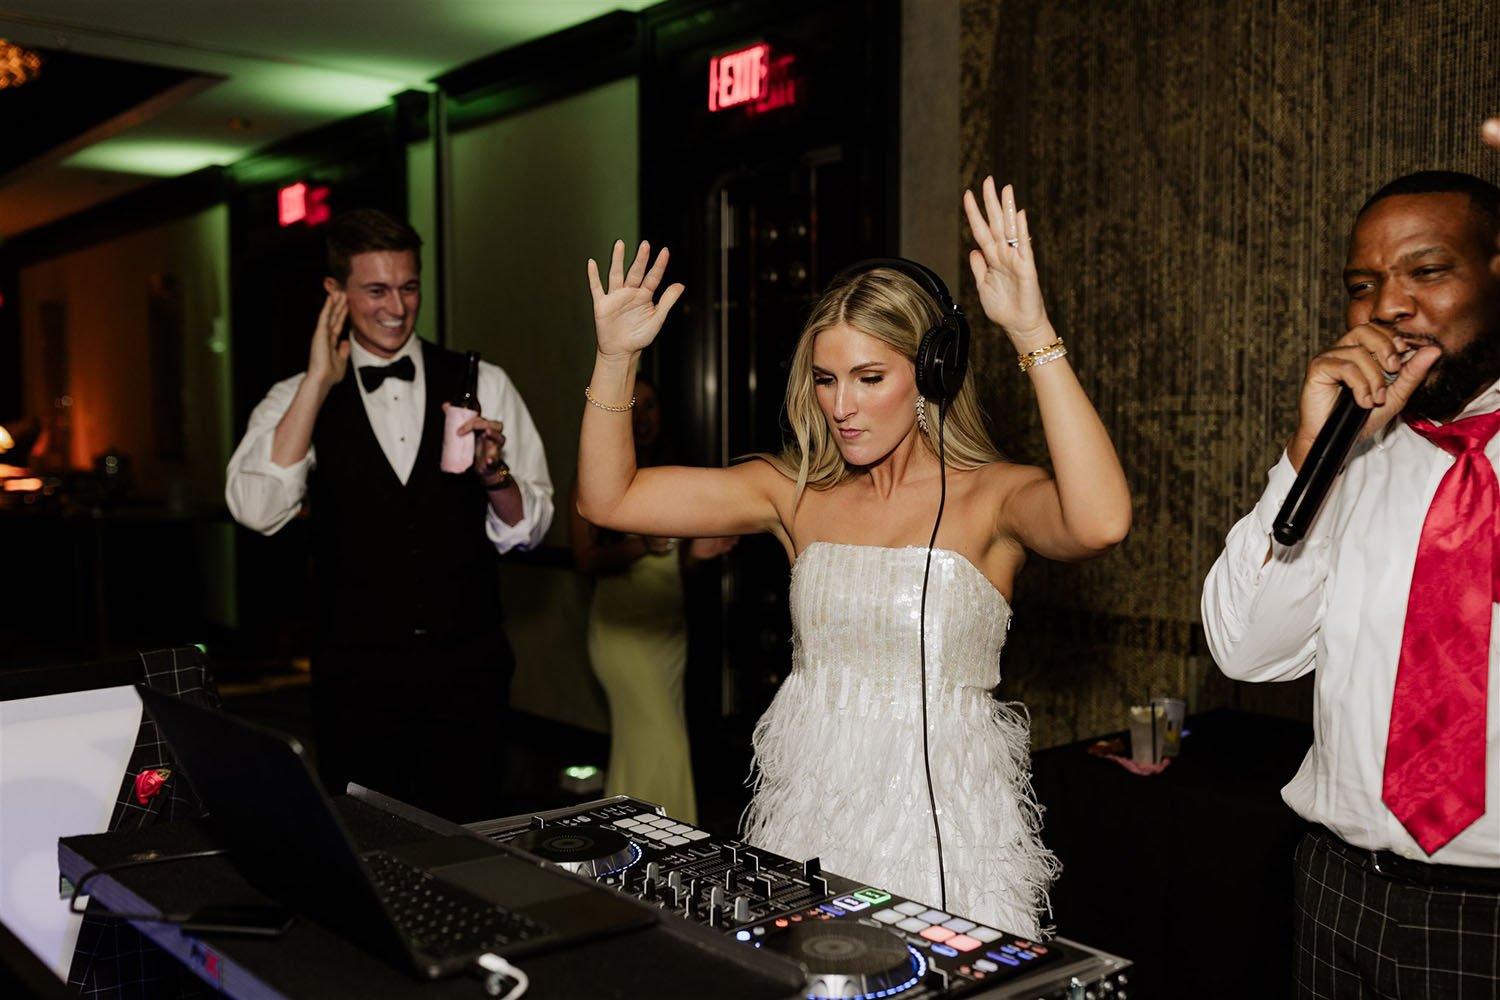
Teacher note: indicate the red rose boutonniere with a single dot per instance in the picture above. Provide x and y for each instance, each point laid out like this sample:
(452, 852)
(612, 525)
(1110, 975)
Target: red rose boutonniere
(149, 782)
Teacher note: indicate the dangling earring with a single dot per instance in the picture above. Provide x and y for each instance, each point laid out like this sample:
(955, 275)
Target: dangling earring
(922, 412)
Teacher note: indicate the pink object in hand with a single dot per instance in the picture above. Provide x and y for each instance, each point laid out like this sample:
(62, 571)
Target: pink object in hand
(458, 449)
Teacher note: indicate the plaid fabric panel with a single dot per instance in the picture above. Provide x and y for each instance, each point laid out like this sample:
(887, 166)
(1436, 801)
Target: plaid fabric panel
(1360, 934)
(114, 961)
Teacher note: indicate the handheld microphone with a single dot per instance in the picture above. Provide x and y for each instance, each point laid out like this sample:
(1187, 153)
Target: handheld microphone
(1324, 459)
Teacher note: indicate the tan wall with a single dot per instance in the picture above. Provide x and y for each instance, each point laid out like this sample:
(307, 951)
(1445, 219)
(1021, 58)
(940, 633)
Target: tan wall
(1191, 171)
(539, 193)
(105, 294)
(930, 88)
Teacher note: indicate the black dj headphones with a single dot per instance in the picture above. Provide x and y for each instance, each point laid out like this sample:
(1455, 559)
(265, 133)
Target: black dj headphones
(943, 352)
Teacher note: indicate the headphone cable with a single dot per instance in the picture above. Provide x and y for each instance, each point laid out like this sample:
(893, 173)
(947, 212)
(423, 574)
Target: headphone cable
(937, 830)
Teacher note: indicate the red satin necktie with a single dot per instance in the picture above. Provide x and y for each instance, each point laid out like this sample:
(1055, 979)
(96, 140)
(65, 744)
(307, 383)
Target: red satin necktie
(1434, 757)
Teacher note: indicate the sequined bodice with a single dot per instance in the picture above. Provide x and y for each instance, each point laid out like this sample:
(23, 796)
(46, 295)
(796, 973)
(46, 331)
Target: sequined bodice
(856, 608)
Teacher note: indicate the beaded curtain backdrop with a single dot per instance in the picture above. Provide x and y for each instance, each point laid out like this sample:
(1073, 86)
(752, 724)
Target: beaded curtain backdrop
(1193, 170)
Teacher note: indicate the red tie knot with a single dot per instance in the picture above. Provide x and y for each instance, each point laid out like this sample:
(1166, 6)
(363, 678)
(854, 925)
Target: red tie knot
(1468, 434)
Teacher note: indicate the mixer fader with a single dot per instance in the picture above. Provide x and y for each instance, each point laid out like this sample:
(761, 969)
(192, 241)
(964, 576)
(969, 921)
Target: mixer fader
(854, 940)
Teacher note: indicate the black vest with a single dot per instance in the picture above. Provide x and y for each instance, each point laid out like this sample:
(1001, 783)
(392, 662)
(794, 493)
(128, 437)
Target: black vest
(393, 560)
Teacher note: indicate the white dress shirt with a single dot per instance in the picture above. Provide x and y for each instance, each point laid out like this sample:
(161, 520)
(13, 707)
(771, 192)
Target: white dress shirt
(264, 496)
(1336, 603)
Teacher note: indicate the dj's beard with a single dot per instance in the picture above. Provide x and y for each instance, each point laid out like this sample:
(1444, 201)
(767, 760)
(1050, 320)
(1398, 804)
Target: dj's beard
(1456, 379)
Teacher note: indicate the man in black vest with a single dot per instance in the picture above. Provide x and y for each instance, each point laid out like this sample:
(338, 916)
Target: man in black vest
(411, 670)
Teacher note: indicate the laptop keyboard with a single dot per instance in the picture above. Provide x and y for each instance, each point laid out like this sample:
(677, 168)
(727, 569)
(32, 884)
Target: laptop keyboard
(443, 920)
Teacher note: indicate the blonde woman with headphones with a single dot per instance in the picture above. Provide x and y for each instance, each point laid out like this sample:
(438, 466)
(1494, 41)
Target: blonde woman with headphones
(884, 752)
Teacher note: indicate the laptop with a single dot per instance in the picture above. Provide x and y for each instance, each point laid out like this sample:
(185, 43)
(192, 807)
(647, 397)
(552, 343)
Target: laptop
(267, 807)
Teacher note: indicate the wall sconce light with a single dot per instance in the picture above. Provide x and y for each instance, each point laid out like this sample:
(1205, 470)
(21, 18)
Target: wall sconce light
(18, 65)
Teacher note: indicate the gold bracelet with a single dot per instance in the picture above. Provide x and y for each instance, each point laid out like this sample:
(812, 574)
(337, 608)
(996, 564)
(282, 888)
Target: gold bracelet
(1042, 355)
(588, 394)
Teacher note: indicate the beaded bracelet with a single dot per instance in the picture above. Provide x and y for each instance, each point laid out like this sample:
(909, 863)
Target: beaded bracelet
(588, 394)
(1042, 355)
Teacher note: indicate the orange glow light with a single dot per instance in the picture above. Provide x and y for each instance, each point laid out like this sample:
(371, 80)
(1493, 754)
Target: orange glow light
(30, 485)
(17, 65)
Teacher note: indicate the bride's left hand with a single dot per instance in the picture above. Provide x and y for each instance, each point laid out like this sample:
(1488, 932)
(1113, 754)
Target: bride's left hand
(1004, 268)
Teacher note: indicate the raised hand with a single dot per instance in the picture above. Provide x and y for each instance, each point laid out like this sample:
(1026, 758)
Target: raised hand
(1004, 268)
(628, 317)
(328, 356)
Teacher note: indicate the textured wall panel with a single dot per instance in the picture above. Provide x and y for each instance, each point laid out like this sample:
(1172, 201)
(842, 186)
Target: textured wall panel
(1192, 170)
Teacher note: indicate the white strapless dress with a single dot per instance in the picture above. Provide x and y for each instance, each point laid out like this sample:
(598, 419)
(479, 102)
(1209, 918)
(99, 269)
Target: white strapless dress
(838, 755)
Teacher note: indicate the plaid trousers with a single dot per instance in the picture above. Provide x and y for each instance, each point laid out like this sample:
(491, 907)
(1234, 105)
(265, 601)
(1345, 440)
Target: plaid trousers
(1363, 934)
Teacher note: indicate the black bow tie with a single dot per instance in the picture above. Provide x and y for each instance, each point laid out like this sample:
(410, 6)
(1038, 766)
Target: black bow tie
(370, 376)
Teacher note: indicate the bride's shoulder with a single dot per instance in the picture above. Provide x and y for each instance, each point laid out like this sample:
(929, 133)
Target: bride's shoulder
(1006, 477)
(760, 475)
(760, 470)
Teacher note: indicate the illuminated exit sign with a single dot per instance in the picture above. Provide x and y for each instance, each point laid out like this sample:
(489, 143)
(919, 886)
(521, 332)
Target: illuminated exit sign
(737, 78)
(753, 78)
(299, 203)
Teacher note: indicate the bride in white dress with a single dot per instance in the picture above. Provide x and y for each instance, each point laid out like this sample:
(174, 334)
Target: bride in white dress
(842, 763)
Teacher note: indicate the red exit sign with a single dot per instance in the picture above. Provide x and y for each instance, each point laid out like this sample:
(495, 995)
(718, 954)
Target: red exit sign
(300, 203)
(740, 77)
(754, 79)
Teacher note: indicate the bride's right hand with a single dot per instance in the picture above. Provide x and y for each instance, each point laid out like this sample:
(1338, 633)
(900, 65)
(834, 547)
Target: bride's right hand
(626, 317)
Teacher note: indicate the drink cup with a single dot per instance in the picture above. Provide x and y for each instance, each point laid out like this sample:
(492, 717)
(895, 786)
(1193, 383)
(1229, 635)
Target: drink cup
(1174, 713)
(1148, 735)
(458, 449)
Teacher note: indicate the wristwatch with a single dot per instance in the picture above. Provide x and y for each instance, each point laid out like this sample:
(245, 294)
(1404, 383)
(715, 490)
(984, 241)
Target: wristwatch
(502, 479)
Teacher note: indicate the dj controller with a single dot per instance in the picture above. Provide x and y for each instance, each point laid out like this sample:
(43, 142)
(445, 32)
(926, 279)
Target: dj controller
(853, 940)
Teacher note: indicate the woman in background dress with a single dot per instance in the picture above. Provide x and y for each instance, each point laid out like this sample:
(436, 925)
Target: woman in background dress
(637, 638)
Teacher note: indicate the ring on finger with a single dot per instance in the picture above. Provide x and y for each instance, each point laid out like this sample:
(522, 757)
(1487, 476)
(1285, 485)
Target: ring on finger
(1013, 241)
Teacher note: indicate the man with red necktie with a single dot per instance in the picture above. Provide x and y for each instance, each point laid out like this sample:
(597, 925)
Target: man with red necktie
(1390, 598)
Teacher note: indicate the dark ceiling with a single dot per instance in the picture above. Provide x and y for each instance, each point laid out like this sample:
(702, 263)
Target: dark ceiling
(106, 119)
(73, 94)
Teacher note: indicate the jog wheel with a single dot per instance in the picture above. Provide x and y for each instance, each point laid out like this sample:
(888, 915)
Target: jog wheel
(587, 850)
(844, 959)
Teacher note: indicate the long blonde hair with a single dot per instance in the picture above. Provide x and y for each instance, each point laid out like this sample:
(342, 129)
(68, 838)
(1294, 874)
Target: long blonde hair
(891, 307)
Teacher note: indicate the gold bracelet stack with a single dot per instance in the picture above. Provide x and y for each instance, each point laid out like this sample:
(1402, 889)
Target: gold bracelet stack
(1042, 355)
(588, 394)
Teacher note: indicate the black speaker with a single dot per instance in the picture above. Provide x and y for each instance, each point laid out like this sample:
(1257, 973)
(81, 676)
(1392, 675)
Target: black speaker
(943, 352)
